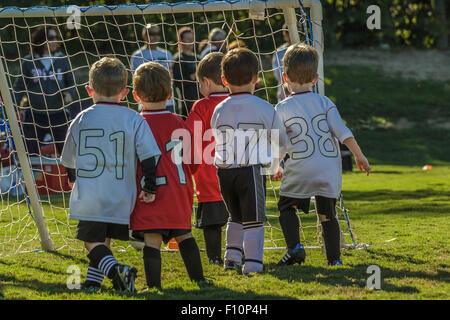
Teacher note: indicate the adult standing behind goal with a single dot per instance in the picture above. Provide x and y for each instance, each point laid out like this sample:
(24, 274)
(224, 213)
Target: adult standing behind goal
(216, 42)
(152, 52)
(184, 68)
(48, 84)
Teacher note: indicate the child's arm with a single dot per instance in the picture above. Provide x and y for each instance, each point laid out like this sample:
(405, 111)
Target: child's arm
(360, 159)
(148, 193)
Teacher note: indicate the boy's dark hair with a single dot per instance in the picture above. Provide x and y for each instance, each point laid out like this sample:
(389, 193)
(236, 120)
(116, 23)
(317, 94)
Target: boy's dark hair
(300, 63)
(239, 66)
(209, 67)
(152, 82)
(108, 77)
(39, 38)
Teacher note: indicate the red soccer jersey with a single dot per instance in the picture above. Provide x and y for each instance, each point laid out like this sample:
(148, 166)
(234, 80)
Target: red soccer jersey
(172, 208)
(206, 181)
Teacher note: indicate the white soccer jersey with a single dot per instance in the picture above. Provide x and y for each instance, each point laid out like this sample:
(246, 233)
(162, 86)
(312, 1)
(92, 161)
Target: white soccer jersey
(247, 128)
(103, 144)
(314, 167)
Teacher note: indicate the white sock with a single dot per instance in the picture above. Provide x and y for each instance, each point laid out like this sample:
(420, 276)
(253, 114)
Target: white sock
(234, 239)
(253, 247)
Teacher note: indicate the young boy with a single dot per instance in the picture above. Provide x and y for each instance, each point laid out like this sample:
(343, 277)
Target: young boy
(240, 161)
(101, 150)
(314, 164)
(212, 214)
(169, 216)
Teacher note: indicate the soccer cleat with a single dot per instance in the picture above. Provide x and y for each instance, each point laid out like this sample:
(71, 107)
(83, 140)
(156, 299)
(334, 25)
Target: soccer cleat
(293, 256)
(231, 265)
(123, 279)
(90, 287)
(337, 262)
(204, 283)
(217, 261)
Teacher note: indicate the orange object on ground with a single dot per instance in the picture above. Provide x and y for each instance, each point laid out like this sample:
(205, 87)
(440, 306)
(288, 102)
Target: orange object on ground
(173, 245)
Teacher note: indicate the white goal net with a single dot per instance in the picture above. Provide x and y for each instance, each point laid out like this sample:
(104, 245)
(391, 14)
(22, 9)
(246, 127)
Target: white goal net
(45, 56)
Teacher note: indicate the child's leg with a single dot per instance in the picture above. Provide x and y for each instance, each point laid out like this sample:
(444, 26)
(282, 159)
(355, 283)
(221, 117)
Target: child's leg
(234, 242)
(191, 256)
(253, 246)
(152, 259)
(326, 212)
(101, 257)
(213, 242)
(289, 222)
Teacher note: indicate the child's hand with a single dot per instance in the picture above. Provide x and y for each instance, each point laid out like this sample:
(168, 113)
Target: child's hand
(277, 176)
(71, 184)
(363, 164)
(147, 197)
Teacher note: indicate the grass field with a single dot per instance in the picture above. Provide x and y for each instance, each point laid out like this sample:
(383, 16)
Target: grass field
(400, 210)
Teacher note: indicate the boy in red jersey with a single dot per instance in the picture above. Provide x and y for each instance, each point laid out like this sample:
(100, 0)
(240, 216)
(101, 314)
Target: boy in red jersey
(211, 213)
(169, 215)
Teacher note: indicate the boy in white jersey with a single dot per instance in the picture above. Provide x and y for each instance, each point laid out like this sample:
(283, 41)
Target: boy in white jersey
(101, 150)
(240, 162)
(314, 166)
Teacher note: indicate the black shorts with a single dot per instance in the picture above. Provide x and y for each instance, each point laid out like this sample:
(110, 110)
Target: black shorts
(93, 231)
(211, 214)
(244, 193)
(167, 234)
(325, 206)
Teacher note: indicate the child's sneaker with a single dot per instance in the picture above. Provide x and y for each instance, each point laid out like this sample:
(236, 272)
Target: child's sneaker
(217, 261)
(123, 279)
(337, 262)
(90, 287)
(296, 255)
(231, 265)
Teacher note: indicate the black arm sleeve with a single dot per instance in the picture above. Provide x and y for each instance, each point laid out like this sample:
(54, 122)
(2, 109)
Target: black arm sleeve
(149, 172)
(71, 174)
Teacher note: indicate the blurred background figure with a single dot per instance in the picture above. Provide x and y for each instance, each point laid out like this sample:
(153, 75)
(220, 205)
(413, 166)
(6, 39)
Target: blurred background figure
(216, 42)
(277, 63)
(184, 68)
(152, 52)
(44, 90)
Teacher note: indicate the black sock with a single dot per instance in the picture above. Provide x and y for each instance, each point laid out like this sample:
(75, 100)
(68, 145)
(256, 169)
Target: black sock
(152, 266)
(332, 236)
(191, 256)
(213, 242)
(102, 258)
(290, 226)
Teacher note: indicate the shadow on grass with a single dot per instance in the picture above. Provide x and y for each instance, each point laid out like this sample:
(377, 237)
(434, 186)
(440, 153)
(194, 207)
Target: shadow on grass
(356, 275)
(386, 194)
(46, 289)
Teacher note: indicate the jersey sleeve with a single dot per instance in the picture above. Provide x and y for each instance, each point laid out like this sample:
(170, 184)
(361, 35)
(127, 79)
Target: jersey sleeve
(69, 152)
(146, 146)
(336, 124)
(283, 138)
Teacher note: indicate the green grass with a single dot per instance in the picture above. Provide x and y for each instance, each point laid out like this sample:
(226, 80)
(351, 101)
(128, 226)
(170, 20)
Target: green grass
(401, 211)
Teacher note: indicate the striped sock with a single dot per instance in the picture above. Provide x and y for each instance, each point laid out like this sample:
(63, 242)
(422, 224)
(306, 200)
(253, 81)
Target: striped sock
(106, 264)
(94, 275)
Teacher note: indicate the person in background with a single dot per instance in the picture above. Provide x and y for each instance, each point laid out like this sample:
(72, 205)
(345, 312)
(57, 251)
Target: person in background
(47, 82)
(152, 52)
(183, 70)
(216, 42)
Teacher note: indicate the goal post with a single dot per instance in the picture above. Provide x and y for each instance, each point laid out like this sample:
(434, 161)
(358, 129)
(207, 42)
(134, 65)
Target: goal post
(102, 30)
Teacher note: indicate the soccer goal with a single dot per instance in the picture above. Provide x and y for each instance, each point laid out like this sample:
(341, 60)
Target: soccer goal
(42, 88)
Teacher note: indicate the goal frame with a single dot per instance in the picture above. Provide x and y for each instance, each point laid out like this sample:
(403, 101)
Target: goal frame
(255, 8)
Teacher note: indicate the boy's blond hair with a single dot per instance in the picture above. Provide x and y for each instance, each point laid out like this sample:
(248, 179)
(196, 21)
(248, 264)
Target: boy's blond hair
(152, 82)
(239, 66)
(300, 63)
(108, 77)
